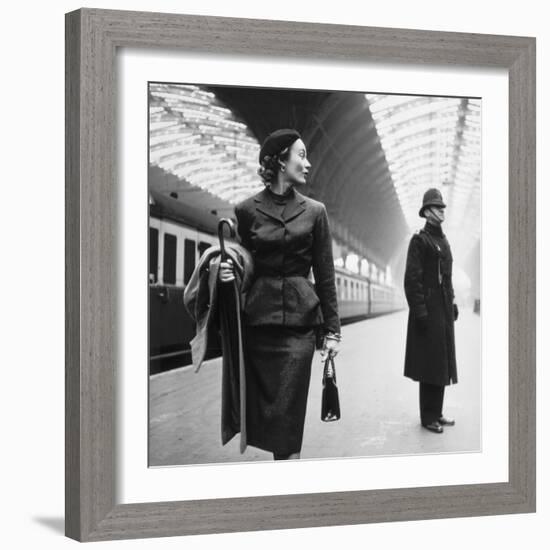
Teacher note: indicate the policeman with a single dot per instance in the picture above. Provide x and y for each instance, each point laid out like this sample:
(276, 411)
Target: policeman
(430, 357)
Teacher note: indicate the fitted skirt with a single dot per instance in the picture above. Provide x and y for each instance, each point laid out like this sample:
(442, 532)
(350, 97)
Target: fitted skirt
(278, 370)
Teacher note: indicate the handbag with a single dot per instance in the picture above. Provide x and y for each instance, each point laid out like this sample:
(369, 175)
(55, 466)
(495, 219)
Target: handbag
(330, 402)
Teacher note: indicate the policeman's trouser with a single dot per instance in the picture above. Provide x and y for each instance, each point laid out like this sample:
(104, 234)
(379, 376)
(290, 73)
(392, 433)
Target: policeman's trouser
(431, 402)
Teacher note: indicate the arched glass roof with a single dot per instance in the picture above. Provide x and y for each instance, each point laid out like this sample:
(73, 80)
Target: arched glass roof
(196, 138)
(373, 158)
(434, 142)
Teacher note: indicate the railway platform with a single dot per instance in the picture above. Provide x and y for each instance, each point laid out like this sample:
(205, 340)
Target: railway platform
(379, 405)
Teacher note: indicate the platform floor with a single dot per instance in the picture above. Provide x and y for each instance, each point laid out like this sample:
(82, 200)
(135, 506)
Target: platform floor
(379, 405)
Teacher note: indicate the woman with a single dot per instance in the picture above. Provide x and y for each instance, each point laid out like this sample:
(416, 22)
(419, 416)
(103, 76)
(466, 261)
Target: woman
(287, 235)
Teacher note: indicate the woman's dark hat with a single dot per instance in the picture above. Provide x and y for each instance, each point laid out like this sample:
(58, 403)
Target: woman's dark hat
(277, 141)
(432, 197)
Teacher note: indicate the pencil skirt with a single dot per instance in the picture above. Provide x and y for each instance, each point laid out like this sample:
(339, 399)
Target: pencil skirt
(278, 370)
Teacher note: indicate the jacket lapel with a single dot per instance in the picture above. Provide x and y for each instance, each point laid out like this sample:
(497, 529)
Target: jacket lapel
(264, 205)
(293, 209)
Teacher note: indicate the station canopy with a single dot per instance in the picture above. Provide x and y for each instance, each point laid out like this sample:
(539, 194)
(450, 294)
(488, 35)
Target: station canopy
(200, 141)
(434, 142)
(373, 157)
(204, 144)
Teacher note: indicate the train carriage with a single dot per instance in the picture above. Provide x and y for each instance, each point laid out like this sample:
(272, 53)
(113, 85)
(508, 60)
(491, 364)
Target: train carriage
(178, 235)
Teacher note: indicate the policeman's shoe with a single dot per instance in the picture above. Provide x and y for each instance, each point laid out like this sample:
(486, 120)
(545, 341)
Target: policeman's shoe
(434, 426)
(446, 421)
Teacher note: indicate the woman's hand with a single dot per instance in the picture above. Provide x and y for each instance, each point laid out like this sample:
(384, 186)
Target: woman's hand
(330, 345)
(226, 274)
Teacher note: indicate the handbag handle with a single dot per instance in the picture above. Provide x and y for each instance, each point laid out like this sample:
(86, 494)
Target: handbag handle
(329, 369)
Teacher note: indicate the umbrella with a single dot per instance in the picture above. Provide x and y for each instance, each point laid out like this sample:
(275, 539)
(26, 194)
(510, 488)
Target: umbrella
(233, 373)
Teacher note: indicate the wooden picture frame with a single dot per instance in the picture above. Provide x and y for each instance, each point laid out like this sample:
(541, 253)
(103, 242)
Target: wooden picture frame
(92, 39)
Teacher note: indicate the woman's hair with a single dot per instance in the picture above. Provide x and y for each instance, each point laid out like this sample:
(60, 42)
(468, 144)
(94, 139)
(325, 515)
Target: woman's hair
(270, 166)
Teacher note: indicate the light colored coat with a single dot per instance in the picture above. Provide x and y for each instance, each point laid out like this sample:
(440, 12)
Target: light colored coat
(218, 306)
(200, 294)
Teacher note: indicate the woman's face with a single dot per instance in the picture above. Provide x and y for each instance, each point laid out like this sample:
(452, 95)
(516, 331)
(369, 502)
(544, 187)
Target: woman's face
(296, 167)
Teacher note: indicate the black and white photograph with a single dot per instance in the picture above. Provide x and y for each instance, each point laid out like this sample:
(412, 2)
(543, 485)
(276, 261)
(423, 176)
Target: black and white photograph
(285, 261)
(314, 274)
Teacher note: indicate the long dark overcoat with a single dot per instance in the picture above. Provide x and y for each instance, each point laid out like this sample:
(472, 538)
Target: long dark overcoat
(430, 354)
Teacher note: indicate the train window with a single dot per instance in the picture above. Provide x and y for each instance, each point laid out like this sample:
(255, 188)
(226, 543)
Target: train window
(202, 246)
(169, 270)
(153, 254)
(188, 259)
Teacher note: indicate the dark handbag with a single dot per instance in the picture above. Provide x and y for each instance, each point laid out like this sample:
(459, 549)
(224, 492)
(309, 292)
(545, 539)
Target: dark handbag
(330, 402)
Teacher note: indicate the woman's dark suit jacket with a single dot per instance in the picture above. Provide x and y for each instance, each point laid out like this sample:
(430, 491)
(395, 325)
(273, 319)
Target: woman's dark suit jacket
(285, 248)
